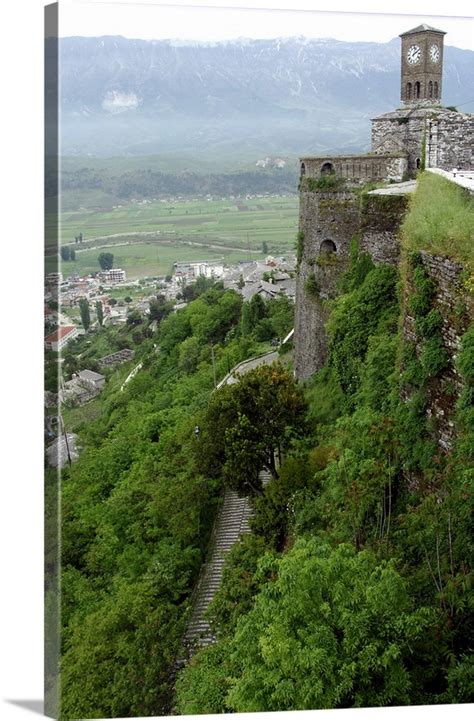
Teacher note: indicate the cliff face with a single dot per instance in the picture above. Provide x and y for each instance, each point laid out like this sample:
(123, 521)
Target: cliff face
(434, 336)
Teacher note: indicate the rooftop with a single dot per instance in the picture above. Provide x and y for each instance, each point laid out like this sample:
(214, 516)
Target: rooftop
(422, 28)
(59, 333)
(91, 375)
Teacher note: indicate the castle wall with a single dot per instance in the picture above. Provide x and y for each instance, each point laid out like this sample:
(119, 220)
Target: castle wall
(455, 142)
(324, 216)
(339, 217)
(449, 137)
(358, 169)
(380, 220)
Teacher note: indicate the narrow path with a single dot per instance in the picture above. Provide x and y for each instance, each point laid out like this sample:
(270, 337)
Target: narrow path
(231, 524)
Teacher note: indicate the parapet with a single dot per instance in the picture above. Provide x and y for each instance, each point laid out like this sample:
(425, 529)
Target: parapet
(355, 169)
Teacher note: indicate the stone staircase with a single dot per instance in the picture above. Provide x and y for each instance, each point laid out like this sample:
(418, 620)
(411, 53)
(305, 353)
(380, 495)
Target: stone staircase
(231, 523)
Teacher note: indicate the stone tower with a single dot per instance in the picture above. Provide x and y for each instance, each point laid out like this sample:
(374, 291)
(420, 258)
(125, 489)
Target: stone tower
(422, 66)
(335, 215)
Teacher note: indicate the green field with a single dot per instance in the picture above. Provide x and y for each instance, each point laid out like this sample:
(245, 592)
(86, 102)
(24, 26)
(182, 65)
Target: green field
(232, 228)
(144, 259)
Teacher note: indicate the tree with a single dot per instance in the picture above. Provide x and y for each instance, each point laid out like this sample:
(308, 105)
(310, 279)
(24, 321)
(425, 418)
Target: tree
(134, 317)
(85, 313)
(247, 423)
(159, 308)
(265, 247)
(241, 282)
(330, 628)
(257, 309)
(128, 299)
(112, 301)
(72, 254)
(106, 261)
(100, 312)
(65, 251)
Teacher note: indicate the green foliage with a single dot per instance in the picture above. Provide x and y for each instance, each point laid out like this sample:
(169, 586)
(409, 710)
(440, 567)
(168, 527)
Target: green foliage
(421, 300)
(434, 357)
(106, 261)
(368, 310)
(137, 515)
(202, 688)
(361, 265)
(271, 519)
(264, 320)
(311, 286)
(85, 313)
(99, 312)
(326, 183)
(246, 423)
(159, 308)
(440, 220)
(65, 252)
(239, 584)
(332, 628)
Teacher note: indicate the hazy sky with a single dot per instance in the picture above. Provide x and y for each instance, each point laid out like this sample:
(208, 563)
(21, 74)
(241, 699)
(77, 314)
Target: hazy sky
(180, 20)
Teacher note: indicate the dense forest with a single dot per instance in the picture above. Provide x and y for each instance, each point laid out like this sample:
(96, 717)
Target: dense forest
(354, 586)
(137, 511)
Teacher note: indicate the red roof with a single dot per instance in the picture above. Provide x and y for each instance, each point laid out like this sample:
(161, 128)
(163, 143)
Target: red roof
(60, 333)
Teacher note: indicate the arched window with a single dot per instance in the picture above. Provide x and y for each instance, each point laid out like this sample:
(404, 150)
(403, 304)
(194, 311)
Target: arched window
(328, 246)
(430, 89)
(303, 169)
(436, 89)
(418, 162)
(409, 91)
(417, 89)
(327, 169)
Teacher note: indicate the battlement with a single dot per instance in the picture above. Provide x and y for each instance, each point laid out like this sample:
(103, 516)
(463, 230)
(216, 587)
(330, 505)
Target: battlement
(355, 169)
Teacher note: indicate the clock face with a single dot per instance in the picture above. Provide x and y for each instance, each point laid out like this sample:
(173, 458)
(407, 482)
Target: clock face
(414, 54)
(434, 53)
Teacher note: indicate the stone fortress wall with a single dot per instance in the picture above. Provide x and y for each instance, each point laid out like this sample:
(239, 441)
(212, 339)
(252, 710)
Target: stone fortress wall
(358, 169)
(443, 136)
(333, 211)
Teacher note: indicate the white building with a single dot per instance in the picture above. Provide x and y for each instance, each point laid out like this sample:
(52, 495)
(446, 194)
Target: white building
(196, 268)
(61, 337)
(114, 275)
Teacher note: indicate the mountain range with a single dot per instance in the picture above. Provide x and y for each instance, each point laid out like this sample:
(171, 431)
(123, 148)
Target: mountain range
(243, 98)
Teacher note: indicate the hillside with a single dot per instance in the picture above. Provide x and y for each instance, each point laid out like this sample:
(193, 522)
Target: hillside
(353, 588)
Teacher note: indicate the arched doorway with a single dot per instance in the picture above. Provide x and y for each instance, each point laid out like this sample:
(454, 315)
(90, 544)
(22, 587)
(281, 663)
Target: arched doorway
(327, 169)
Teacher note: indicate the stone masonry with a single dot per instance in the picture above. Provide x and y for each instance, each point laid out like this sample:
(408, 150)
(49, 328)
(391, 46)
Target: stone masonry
(334, 210)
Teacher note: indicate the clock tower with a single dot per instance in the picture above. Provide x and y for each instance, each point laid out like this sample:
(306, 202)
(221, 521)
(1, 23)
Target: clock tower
(422, 66)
